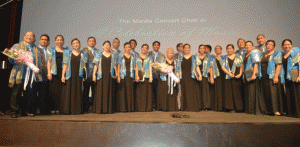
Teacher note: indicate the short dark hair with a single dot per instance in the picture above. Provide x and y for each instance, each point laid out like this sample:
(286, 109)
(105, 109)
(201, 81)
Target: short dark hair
(74, 40)
(178, 45)
(270, 41)
(132, 40)
(248, 42)
(126, 43)
(107, 41)
(48, 38)
(208, 46)
(260, 35)
(145, 45)
(285, 41)
(60, 36)
(230, 45)
(201, 45)
(117, 39)
(156, 42)
(218, 46)
(240, 39)
(91, 38)
(186, 45)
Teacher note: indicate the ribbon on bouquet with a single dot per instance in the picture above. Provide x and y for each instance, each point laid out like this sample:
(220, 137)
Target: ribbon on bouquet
(28, 60)
(164, 68)
(172, 80)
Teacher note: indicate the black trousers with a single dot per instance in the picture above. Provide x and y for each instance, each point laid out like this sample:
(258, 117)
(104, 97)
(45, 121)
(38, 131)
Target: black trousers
(86, 89)
(30, 95)
(43, 100)
(17, 101)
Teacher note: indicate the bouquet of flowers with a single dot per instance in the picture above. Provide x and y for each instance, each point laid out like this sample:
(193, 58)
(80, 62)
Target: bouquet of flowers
(22, 56)
(164, 68)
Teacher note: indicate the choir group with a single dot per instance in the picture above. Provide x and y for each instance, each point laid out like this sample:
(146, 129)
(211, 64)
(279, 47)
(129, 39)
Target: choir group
(250, 79)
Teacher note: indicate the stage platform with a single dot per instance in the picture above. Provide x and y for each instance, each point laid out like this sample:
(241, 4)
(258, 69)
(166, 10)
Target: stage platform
(151, 129)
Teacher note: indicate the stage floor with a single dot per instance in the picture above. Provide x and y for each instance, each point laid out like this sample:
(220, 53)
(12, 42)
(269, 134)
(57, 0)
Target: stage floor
(202, 117)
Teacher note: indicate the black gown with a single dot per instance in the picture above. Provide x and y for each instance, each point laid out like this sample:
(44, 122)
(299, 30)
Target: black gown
(125, 95)
(204, 90)
(143, 99)
(219, 89)
(103, 101)
(72, 102)
(233, 91)
(167, 102)
(56, 84)
(189, 96)
(254, 101)
(291, 96)
(271, 92)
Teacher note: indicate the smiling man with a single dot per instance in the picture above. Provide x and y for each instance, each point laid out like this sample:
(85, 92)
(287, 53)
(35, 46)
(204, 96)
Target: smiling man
(22, 78)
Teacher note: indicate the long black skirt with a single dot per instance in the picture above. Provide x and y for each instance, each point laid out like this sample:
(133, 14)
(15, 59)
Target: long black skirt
(190, 97)
(125, 95)
(103, 100)
(219, 93)
(233, 94)
(72, 102)
(297, 99)
(143, 99)
(272, 95)
(168, 102)
(205, 93)
(255, 103)
(289, 98)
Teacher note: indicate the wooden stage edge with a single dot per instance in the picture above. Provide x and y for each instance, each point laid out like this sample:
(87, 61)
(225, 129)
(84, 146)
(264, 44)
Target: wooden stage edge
(201, 117)
(156, 128)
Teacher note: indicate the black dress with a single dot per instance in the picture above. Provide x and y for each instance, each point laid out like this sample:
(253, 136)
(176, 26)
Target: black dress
(233, 91)
(71, 102)
(271, 92)
(56, 84)
(143, 99)
(125, 96)
(167, 102)
(189, 96)
(254, 102)
(291, 96)
(103, 101)
(204, 90)
(219, 89)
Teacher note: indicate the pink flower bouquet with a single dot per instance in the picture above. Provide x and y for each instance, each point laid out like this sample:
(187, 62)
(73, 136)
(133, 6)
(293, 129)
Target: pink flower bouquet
(20, 55)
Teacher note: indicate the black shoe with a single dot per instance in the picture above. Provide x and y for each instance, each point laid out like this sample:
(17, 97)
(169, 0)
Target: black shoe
(14, 115)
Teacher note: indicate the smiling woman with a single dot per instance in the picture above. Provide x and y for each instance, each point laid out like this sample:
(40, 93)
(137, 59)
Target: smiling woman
(73, 63)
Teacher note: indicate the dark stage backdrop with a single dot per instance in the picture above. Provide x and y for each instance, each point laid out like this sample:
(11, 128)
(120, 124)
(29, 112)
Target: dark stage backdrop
(10, 31)
(195, 22)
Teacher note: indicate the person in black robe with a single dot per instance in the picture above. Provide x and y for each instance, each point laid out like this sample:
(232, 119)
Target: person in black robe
(125, 95)
(104, 68)
(73, 63)
(232, 65)
(190, 98)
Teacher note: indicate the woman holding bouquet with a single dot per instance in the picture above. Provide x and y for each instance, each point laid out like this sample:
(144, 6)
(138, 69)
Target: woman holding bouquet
(254, 102)
(189, 92)
(232, 65)
(167, 93)
(271, 63)
(103, 74)
(125, 95)
(291, 62)
(54, 68)
(143, 74)
(73, 64)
